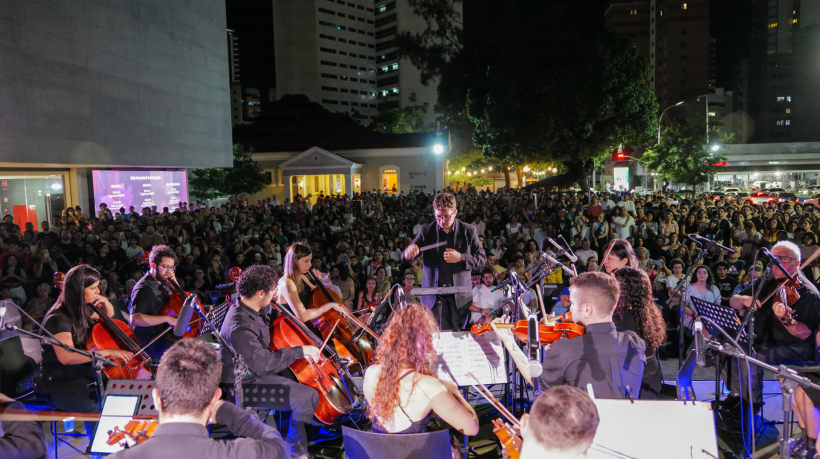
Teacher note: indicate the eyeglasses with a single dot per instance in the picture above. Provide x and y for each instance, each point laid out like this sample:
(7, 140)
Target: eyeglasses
(444, 216)
(784, 259)
(168, 267)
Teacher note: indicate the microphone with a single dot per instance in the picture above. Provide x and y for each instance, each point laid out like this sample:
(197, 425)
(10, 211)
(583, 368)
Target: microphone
(503, 284)
(185, 314)
(534, 367)
(700, 344)
(710, 243)
(561, 236)
(776, 262)
(570, 272)
(571, 257)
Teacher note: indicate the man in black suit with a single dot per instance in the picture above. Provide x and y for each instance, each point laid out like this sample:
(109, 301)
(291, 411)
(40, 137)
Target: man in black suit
(450, 264)
(609, 360)
(187, 396)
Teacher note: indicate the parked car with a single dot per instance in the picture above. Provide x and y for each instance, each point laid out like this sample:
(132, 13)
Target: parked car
(785, 196)
(814, 200)
(775, 190)
(810, 190)
(760, 197)
(742, 196)
(731, 190)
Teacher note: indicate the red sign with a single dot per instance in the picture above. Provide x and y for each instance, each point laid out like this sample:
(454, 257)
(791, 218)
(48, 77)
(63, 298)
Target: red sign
(5, 183)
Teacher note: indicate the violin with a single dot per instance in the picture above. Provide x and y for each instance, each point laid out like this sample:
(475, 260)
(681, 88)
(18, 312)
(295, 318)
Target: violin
(349, 343)
(134, 432)
(789, 295)
(111, 333)
(553, 330)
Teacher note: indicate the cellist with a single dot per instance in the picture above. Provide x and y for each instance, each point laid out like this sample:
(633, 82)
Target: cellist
(296, 290)
(66, 376)
(149, 296)
(247, 330)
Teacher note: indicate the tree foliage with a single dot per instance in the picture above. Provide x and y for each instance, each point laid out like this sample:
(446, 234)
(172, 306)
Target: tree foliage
(246, 176)
(403, 120)
(431, 49)
(569, 105)
(684, 156)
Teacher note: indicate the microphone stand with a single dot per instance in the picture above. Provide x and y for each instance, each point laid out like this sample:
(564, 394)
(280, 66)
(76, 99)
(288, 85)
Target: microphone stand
(678, 288)
(97, 362)
(240, 368)
(791, 380)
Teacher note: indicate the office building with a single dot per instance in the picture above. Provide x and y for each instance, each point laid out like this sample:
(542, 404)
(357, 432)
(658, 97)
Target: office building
(326, 51)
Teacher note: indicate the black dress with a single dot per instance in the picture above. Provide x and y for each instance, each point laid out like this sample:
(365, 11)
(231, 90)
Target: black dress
(651, 382)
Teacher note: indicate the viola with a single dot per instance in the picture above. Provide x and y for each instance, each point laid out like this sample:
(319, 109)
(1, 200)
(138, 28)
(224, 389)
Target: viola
(349, 343)
(111, 333)
(134, 432)
(553, 330)
(789, 295)
(329, 378)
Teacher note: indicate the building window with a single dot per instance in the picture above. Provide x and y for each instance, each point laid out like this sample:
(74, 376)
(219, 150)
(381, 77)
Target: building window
(683, 6)
(773, 25)
(794, 21)
(788, 122)
(396, 66)
(633, 11)
(788, 110)
(390, 179)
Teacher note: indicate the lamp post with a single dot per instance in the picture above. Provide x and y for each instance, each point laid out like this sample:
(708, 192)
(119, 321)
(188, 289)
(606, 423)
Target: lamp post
(661, 118)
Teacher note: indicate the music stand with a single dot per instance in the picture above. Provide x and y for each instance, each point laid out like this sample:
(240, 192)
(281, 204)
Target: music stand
(726, 318)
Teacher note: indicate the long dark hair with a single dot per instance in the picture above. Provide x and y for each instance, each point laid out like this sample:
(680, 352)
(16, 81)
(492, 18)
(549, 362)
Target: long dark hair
(72, 300)
(623, 250)
(710, 279)
(636, 296)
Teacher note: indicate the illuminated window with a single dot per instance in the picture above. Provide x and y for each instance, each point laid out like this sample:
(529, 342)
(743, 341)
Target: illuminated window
(794, 21)
(712, 114)
(773, 25)
(390, 181)
(633, 11)
(683, 6)
(395, 66)
(788, 110)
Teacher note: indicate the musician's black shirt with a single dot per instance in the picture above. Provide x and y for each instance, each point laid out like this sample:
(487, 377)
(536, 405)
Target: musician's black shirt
(148, 297)
(769, 329)
(248, 332)
(599, 357)
(186, 439)
(445, 270)
(56, 321)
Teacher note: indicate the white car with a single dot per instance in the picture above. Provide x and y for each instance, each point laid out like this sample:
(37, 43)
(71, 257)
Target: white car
(811, 190)
(731, 190)
(775, 190)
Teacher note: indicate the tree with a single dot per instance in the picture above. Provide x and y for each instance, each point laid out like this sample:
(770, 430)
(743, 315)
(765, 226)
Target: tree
(430, 50)
(245, 176)
(403, 120)
(684, 156)
(566, 105)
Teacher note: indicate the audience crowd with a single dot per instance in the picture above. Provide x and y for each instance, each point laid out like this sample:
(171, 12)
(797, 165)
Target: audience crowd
(359, 241)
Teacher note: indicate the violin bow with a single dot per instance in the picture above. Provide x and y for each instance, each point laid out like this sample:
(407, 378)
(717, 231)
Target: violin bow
(484, 392)
(356, 321)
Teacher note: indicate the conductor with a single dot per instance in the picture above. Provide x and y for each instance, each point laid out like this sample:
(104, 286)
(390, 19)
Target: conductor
(448, 264)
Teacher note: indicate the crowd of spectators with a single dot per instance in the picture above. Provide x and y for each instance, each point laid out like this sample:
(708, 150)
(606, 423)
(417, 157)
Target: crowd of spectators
(358, 241)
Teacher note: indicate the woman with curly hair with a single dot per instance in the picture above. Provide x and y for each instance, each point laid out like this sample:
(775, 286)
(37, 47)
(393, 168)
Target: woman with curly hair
(403, 395)
(636, 311)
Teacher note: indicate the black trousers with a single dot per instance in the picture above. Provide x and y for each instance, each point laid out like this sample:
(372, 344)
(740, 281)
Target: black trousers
(450, 317)
(71, 394)
(282, 394)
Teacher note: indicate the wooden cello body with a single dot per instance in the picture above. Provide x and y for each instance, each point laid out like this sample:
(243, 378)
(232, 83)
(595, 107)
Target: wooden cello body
(349, 343)
(328, 378)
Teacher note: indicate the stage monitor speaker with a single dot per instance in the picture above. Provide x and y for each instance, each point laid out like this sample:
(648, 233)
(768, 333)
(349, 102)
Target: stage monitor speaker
(142, 388)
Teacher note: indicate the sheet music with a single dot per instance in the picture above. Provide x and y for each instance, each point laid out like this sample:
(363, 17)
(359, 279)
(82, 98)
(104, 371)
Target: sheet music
(460, 353)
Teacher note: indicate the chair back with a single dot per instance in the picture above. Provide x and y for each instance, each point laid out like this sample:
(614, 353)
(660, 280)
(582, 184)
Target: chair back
(17, 370)
(369, 445)
(120, 311)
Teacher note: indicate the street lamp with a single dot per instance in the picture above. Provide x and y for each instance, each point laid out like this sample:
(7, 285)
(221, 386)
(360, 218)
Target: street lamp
(661, 118)
(715, 148)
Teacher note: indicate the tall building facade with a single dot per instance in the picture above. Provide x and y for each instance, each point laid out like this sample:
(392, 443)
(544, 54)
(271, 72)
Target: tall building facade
(326, 50)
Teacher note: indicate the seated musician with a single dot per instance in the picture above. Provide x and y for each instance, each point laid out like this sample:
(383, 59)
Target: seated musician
(620, 254)
(804, 404)
(609, 360)
(560, 425)
(636, 311)
(403, 395)
(247, 329)
(294, 287)
(187, 396)
(21, 439)
(778, 339)
(149, 296)
(67, 378)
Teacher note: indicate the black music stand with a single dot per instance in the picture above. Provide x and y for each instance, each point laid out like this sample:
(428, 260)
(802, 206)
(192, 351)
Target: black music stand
(727, 319)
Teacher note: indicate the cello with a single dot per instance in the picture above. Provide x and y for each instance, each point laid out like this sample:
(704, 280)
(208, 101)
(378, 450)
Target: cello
(350, 344)
(111, 333)
(329, 378)
(173, 306)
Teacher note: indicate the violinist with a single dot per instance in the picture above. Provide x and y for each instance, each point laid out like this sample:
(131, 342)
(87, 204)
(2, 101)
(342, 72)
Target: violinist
(247, 330)
(67, 378)
(560, 425)
(187, 397)
(608, 359)
(777, 337)
(149, 296)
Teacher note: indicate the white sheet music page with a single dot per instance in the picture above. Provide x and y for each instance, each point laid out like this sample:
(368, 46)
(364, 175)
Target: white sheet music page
(460, 353)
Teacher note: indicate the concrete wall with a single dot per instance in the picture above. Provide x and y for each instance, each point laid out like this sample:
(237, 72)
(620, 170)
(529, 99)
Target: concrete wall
(123, 83)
